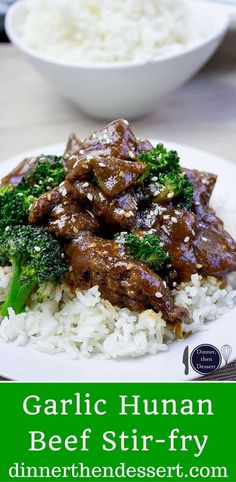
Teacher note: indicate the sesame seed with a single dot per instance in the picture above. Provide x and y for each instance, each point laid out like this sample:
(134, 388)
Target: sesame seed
(86, 184)
(101, 164)
(158, 294)
(204, 239)
(49, 197)
(129, 266)
(164, 283)
(90, 197)
(127, 215)
(37, 249)
(156, 193)
(154, 179)
(75, 230)
(174, 220)
(174, 284)
(199, 266)
(170, 195)
(166, 216)
(187, 239)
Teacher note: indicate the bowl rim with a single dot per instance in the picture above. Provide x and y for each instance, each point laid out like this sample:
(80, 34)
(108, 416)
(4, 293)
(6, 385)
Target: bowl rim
(205, 4)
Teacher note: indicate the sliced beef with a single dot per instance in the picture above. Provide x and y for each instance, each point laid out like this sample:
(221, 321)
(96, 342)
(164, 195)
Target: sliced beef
(215, 250)
(62, 214)
(203, 185)
(68, 219)
(15, 176)
(73, 145)
(121, 280)
(194, 245)
(118, 213)
(112, 174)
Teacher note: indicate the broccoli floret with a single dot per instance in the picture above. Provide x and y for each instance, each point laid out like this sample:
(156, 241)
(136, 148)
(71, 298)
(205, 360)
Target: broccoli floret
(36, 257)
(15, 202)
(147, 248)
(45, 174)
(171, 181)
(159, 161)
(177, 187)
(14, 206)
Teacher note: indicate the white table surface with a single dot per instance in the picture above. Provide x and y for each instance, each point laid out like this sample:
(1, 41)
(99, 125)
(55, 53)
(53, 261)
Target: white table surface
(201, 114)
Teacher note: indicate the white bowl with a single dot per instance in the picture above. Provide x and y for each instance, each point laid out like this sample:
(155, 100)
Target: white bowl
(124, 89)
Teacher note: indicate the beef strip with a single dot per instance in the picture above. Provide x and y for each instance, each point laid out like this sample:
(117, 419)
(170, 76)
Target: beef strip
(112, 174)
(61, 213)
(118, 213)
(121, 280)
(68, 219)
(203, 185)
(15, 176)
(73, 145)
(214, 249)
(194, 245)
(114, 140)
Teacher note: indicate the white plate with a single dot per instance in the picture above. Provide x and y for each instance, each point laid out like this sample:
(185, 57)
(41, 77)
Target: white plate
(24, 363)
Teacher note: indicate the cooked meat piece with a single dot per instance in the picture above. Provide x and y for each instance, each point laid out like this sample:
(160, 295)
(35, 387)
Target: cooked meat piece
(215, 250)
(176, 229)
(15, 176)
(112, 174)
(42, 207)
(203, 185)
(73, 146)
(118, 213)
(62, 214)
(116, 140)
(68, 219)
(121, 280)
(194, 245)
(144, 145)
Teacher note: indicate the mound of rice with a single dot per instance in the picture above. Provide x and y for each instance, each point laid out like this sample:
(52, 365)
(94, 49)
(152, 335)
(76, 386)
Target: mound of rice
(57, 321)
(87, 31)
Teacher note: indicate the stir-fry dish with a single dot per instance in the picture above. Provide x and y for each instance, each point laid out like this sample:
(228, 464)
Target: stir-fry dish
(114, 212)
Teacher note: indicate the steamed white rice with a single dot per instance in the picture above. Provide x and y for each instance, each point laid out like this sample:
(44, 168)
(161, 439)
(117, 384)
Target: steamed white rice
(87, 31)
(57, 321)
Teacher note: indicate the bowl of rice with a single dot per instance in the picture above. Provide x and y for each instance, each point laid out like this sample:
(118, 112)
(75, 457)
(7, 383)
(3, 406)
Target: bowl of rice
(116, 58)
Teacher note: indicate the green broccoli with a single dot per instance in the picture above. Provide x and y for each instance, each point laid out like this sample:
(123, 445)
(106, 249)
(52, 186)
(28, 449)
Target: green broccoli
(36, 257)
(177, 187)
(147, 248)
(170, 179)
(45, 174)
(14, 206)
(15, 202)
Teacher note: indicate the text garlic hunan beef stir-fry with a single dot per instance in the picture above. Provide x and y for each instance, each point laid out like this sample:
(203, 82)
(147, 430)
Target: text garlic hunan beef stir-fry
(128, 217)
